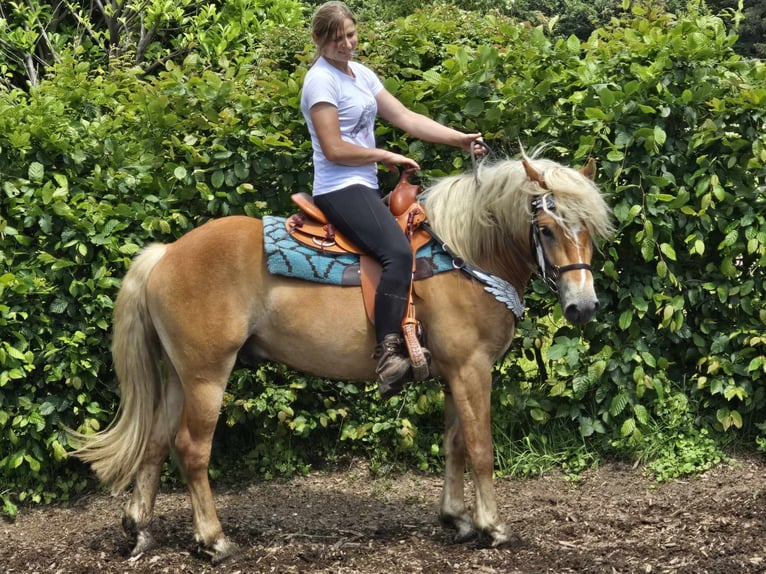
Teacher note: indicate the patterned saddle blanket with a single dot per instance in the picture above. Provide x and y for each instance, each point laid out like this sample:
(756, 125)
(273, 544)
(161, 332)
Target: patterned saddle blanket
(287, 257)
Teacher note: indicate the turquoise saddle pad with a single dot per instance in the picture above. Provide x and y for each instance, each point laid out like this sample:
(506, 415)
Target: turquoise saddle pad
(287, 257)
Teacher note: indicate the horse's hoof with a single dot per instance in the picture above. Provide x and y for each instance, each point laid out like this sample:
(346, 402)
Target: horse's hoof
(499, 536)
(221, 550)
(144, 543)
(464, 527)
(465, 533)
(142, 539)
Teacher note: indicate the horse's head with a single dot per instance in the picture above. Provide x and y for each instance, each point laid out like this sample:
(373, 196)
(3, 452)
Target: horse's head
(487, 216)
(561, 245)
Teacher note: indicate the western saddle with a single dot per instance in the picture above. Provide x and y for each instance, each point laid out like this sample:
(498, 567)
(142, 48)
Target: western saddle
(311, 228)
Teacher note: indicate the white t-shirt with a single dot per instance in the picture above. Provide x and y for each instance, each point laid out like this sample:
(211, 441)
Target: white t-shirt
(357, 109)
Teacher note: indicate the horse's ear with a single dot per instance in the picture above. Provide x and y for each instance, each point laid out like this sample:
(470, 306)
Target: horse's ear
(589, 169)
(533, 174)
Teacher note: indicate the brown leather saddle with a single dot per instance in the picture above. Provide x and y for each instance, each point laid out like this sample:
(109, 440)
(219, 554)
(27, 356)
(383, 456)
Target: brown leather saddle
(311, 228)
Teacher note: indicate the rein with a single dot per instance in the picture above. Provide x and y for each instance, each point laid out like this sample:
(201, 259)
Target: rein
(476, 162)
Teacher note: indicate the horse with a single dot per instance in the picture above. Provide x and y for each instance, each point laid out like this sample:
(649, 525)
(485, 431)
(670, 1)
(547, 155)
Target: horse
(188, 310)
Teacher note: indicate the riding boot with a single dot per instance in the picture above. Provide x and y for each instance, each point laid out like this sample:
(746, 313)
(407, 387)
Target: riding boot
(393, 365)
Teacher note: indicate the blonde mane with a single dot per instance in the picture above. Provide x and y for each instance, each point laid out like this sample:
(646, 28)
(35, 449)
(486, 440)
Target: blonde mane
(477, 221)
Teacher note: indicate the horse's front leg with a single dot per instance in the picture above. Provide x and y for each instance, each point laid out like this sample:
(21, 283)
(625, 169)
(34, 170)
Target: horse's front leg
(471, 402)
(453, 512)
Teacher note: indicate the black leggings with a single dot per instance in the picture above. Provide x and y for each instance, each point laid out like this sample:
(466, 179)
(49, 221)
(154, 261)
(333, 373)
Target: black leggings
(358, 213)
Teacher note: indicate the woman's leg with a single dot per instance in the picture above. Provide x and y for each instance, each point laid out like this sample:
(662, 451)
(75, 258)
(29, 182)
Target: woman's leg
(359, 214)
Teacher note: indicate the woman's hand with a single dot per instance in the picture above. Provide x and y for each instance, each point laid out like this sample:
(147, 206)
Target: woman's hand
(394, 160)
(471, 140)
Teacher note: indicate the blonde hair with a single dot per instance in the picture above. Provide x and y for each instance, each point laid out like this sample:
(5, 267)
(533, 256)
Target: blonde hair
(327, 23)
(478, 220)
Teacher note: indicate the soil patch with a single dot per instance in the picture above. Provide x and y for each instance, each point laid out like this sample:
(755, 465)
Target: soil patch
(613, 520)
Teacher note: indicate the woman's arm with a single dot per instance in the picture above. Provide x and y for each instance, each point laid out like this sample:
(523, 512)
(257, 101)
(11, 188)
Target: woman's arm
(325, 119)
(420, 126)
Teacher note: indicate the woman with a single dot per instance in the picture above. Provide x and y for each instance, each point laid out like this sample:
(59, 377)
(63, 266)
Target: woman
(340, 101)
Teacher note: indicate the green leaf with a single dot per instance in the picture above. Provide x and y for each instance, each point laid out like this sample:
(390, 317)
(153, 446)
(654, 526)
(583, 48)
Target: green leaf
(607, 97)
(217, 179)
(662, 269)
(432, 77)
(36, 172)
(129, 249)
(628, 427)
(668, 251)
(538, 415)
(33, 463)
(9, 508)
(586, 426)
(641, 414)
(728, 268)
(647, 249)
(595, 114)
(615, 155)
(474, 108)
(619, 402)
(16, 460)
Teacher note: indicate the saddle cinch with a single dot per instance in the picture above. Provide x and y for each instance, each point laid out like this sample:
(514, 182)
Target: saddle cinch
(311, 228)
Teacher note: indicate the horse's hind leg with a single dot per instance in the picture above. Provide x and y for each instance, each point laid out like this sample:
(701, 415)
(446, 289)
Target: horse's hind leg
(138, 511)
(193, 443)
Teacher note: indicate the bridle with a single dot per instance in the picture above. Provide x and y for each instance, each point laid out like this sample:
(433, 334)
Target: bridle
(549, 272)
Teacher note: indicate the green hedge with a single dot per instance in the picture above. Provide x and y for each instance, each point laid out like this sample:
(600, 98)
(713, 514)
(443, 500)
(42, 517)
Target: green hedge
(97, 162)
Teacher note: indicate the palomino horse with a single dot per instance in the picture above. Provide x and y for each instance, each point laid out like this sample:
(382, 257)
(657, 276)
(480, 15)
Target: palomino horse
(187, 310)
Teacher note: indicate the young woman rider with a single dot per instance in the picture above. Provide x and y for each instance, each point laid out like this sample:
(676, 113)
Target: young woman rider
(341, 99)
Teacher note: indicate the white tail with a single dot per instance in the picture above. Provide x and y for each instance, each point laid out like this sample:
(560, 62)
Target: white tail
(116, 452)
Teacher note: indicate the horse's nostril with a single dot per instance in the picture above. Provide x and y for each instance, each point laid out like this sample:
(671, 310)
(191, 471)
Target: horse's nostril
(581, 313)
(572, 313)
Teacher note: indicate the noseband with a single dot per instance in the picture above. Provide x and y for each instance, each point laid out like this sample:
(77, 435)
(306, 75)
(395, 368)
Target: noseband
(548, 271)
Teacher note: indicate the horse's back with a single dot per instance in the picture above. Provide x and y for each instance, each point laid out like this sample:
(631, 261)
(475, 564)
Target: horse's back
(231, 235)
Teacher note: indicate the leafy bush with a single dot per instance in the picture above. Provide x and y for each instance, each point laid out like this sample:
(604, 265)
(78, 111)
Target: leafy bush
(34, 35)
(96, 162)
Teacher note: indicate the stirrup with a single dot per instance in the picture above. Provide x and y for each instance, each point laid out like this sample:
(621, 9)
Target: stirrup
(420, 361)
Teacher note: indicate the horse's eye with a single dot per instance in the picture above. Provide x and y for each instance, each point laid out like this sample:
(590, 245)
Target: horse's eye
(546, 232)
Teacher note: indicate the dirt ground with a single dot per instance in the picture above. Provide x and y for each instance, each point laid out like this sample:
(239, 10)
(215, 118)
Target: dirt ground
(613, 520)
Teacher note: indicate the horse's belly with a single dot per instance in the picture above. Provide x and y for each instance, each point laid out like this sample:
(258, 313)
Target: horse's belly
(315, 329)
(329, 358)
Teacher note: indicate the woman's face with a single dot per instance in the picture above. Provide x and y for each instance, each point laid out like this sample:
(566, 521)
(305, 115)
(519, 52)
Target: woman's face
(341, 48)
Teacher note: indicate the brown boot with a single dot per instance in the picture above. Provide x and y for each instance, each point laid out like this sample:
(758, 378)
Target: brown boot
(393, 365)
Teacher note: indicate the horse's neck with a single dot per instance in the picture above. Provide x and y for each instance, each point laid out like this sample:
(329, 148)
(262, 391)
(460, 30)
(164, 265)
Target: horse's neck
(511, 264)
